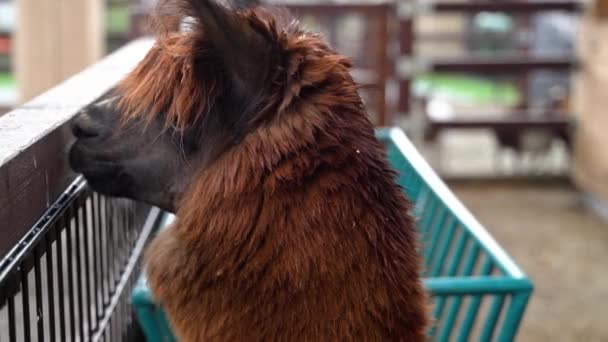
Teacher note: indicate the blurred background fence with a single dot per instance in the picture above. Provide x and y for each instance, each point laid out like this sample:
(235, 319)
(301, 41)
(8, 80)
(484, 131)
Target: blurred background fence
(500, 70)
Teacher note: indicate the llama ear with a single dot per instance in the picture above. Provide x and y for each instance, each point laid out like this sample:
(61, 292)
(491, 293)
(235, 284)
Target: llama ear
(245, 53)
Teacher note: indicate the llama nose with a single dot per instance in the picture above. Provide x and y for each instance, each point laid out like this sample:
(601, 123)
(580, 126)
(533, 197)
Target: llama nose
(85, 127)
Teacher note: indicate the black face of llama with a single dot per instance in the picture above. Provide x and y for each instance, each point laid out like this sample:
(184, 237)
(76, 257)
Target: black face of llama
(197, 92)
(127, 161)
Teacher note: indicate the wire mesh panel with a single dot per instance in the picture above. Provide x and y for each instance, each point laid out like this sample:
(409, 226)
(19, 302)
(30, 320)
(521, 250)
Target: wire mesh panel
(70, 277)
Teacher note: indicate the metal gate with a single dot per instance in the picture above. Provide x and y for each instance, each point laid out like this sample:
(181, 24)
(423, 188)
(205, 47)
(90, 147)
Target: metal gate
(70, 276)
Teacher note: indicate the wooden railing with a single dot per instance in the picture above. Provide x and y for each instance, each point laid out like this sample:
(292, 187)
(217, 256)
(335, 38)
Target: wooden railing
(68, 256)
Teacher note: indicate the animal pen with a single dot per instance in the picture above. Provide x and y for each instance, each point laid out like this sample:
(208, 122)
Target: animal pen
(71, 257)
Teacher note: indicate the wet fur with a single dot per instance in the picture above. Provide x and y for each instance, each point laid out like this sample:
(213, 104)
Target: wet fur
(293, 228)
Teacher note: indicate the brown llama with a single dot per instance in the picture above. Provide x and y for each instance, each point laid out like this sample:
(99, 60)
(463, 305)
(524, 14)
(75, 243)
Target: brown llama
(289, 224)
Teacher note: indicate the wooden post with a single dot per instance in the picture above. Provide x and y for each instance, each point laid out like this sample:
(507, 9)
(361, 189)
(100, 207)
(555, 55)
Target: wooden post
(590, 164)
(54, 39)
(406, 49)
(382, 16)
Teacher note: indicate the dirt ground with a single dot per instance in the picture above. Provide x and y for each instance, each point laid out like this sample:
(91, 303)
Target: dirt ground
(560, 245)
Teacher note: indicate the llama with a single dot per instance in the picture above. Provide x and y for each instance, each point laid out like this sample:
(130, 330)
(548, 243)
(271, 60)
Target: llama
(289, 223)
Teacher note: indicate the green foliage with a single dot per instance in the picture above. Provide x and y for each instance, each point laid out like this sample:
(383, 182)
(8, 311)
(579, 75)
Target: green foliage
(7, 80)
(117, 19)
(466, 88)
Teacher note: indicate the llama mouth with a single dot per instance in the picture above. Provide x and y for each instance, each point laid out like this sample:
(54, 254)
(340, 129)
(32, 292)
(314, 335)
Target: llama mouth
(83, 161)
(103, 176)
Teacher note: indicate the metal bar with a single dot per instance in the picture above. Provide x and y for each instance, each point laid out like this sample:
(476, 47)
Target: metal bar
(469, 319)
(87, 271)
(384, 117)
(25, 302)
(416, 184)
(38, 289)
(515, 314)
(471, 260)
(130, 268)
(452, 286)
(111, 330)
(448, 325)
(110, 247)
(456, 260)
(115, 328)
(99, 254)
(122, 317)
(12, 321)
(512, 121)
(450, 321)
(104, 252)
(124, 239)
(125, 307)
(429, 214)
(503, 65)
(406, 48)
(50, 283)
(132, 230)
(469, 265)
(117, 317)
(25, 246)
(448, 234)
(60, 276)
(318, 7)
(78, 220)
(492, 318)
(408, 176)
(424, 226)
(438, 217)
(508, 6)
(121, 261)
(69, 260)
(420, 204)
(96, 258)
(437, 229)
(118, 256)
(457, 257)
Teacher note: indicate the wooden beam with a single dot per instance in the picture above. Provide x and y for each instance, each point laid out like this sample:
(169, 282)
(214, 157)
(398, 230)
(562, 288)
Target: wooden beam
(54, 40)
(323, 7)
(503, 65)
(508, 6)
(590, 162)
(503, 123)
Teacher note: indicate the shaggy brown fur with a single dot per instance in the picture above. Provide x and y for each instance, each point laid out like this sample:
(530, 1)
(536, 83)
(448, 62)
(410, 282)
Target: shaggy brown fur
(298, 231)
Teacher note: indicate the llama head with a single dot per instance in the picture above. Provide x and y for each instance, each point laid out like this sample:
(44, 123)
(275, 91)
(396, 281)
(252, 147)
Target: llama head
(198, 90)
(214, 75)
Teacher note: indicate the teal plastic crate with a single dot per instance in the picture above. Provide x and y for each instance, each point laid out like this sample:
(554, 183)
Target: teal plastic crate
(478, 292)
(151, 317)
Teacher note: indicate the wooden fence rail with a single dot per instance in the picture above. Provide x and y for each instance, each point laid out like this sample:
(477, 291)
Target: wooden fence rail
(68, 256)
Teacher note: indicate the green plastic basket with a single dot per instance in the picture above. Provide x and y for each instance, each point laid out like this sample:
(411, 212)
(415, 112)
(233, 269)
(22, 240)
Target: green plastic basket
(478, 292)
